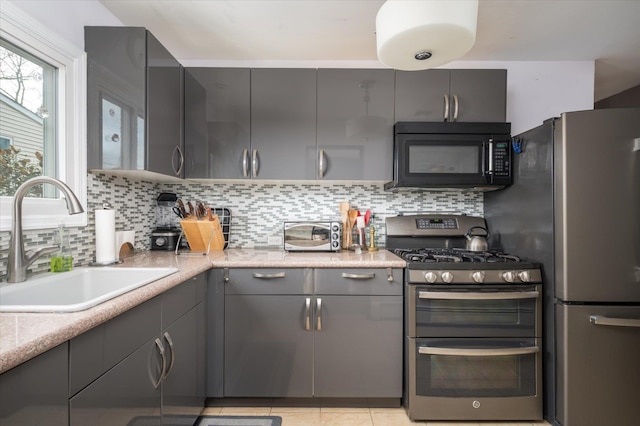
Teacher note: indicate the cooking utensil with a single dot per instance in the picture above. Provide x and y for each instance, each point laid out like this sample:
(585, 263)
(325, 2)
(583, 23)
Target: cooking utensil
(178, 212)
(183, 211)
(192, 210)
(477, 242)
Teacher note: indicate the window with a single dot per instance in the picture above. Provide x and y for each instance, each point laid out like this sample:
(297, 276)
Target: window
(5, 142)
(43, 117)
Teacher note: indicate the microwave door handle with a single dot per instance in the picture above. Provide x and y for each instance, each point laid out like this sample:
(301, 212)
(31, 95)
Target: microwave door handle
(490, 171)
(427, 350)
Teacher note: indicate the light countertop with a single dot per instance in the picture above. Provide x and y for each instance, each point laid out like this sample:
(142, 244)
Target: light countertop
(26, 335)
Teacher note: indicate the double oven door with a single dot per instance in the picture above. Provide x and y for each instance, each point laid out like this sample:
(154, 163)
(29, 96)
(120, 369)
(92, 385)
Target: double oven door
(473, 352)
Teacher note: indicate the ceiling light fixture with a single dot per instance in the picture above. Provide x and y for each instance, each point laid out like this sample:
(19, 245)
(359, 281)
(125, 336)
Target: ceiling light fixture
(420, 34)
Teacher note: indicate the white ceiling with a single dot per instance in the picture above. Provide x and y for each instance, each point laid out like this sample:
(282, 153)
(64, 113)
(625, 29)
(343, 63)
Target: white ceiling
(288, 31)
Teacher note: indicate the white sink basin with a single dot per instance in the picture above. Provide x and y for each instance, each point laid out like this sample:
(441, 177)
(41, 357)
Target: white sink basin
(76, 290)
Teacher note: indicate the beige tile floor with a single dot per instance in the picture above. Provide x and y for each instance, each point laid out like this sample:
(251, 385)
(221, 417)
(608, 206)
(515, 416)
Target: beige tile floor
(300, 416)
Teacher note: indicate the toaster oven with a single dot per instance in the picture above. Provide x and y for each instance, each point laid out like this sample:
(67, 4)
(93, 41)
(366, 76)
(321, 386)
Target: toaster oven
(312, 236)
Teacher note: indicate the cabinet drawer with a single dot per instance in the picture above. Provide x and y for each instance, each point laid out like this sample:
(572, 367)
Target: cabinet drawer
(358, 281)
(97, 350)
(269, 281)
(177, 301)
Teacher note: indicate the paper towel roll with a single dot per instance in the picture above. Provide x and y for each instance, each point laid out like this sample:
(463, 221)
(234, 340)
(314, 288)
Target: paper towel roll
(105, 236)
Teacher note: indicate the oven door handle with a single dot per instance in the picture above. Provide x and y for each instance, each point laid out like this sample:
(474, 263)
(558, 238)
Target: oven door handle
(508, 295)
(427, 350)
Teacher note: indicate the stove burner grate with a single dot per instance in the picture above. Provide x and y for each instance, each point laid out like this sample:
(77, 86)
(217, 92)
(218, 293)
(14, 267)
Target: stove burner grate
(455, 255)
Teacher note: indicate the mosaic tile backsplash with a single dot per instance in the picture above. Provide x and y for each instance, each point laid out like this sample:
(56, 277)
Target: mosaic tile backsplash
(258, 209)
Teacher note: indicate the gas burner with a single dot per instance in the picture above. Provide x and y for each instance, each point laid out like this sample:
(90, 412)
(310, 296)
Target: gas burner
(454, 255)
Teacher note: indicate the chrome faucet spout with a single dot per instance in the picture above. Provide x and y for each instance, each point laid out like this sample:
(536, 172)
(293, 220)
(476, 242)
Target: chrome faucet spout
(19, 261)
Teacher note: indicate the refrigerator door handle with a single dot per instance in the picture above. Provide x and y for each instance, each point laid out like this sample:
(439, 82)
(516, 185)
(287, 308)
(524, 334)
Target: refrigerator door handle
(614, 322)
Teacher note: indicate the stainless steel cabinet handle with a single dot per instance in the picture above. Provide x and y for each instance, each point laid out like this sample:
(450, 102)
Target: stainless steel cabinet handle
(179, 151)
(455, 107)
(164, 363)
(359, 276)
(245, 163)
(446, 107)
(614, 322)
(508, 295)
(389, 275)
(167, 337)
(321, 163)
(307, 314)
(319, 314)
(267, 276)
(426, 350)
(255, 163)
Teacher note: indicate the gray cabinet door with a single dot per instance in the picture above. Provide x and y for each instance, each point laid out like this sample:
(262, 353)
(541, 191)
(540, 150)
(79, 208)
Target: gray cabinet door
(358, 346)
(164, 111)
(283, 123)
(124, 395)
(36, 392)
(182, 401)
(481, 94)
(420, 95)
(474, 95)
(268, 346)
(355, 124)
(217, 123)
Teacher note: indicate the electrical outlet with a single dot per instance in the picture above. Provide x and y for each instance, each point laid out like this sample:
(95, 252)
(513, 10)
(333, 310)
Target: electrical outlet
(274, 241)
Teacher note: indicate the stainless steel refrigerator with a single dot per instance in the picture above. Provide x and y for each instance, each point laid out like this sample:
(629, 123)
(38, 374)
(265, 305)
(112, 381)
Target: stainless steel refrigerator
(575, 208)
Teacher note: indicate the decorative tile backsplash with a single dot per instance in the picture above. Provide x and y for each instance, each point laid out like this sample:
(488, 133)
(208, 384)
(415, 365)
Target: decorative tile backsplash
(258, 209)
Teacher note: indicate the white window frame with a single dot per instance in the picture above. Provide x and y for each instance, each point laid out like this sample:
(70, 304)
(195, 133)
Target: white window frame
(27, 33)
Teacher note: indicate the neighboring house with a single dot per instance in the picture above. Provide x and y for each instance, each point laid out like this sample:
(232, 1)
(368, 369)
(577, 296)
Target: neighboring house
(21, 128)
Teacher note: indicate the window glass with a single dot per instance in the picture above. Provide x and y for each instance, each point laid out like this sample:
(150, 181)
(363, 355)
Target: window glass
(28, 120)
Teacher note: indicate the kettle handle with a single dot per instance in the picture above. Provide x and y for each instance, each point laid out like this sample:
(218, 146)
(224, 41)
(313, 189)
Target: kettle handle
(468, 234)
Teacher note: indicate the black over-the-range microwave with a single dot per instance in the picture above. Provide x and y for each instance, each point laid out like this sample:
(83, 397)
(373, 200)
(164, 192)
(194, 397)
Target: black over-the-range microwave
(451, 155)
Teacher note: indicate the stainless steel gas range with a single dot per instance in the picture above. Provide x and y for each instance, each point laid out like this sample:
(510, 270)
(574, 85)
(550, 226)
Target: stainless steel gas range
(472, 322)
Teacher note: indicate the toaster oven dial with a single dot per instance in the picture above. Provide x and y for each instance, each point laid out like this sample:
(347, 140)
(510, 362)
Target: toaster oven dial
(430, 277)
(478, 276)
(335, 244)
(335, 227)
(509, 276)
(447, 277)
(524, 276)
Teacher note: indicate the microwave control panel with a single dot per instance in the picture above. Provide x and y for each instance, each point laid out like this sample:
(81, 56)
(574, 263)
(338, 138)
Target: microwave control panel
(500, 169)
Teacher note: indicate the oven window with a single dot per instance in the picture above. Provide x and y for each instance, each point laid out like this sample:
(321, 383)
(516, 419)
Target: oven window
(444, 159)
(442, 317)
(458, 375)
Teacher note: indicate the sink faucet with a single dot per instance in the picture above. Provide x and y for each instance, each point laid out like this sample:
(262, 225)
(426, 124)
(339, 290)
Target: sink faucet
(19, 260)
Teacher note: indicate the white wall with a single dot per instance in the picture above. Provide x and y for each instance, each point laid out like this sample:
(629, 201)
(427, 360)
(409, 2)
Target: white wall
(536, 90)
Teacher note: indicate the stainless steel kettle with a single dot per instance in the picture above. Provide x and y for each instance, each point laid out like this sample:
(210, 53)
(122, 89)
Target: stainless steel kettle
(477, 242)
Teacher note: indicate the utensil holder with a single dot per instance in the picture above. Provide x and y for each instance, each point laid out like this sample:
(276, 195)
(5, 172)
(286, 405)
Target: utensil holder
(203, 236)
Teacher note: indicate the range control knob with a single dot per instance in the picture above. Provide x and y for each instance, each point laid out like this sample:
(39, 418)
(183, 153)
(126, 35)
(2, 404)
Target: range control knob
(430, 277)
(478, 276)
(447, 277)
(509, 276)
(524, 276)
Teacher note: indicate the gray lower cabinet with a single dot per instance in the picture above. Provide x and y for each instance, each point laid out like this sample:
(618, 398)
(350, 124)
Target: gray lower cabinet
(313, 333)
(36, 392)
(146, 365)
(355, 124)
(476, 95)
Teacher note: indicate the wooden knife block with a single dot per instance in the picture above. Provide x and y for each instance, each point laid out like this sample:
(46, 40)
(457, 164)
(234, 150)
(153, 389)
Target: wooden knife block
(203, 235)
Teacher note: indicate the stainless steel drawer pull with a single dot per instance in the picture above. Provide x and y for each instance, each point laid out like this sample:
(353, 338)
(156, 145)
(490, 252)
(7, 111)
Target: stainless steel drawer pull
(359, 276)
(267, 276)
(509, 295)
(426, 350)
(614, 322)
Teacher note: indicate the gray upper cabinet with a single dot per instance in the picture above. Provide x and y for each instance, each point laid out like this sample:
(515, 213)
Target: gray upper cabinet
(283, 124)
(217, 124)
(355, 124)
(36, 392)
(475, 95)
(134, 102)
